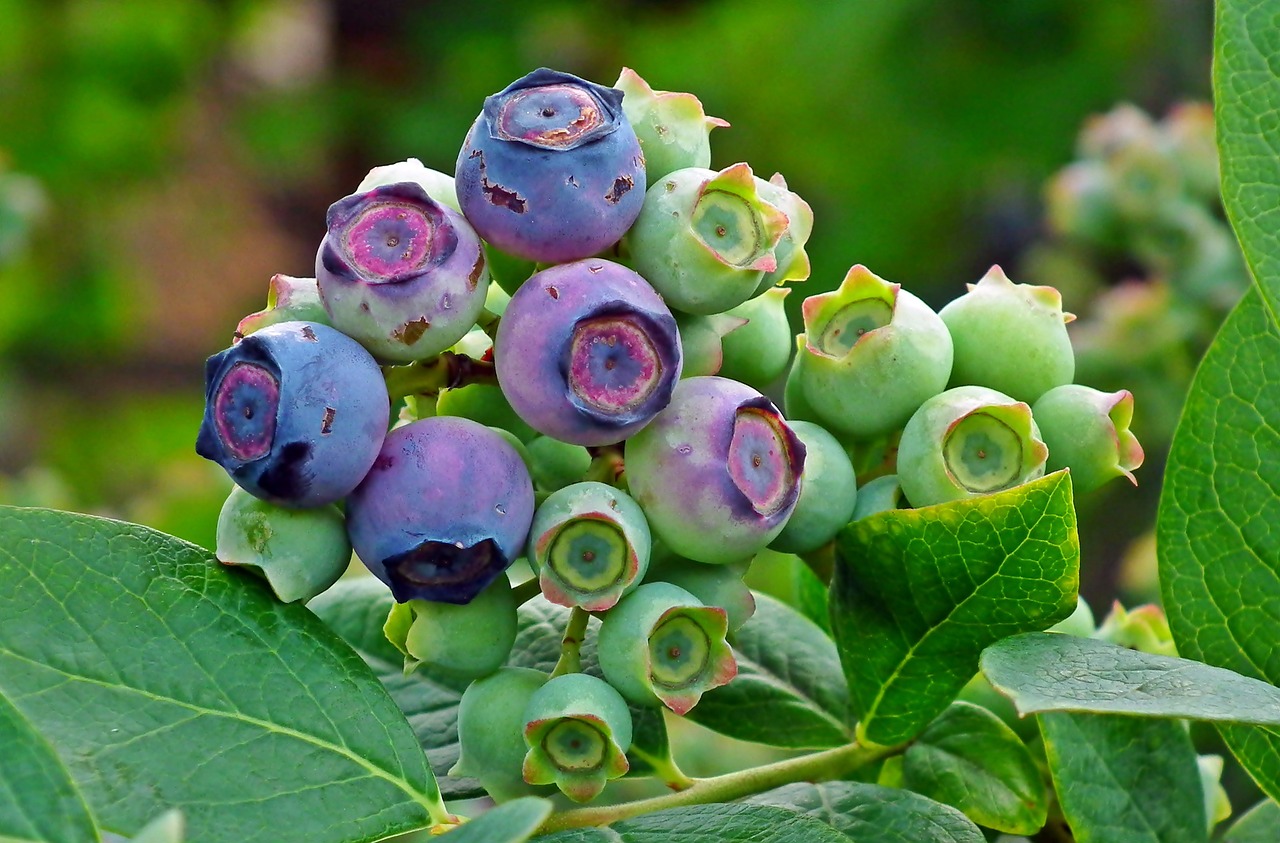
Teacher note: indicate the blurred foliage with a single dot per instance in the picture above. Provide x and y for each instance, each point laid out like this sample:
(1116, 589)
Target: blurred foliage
(186, 151)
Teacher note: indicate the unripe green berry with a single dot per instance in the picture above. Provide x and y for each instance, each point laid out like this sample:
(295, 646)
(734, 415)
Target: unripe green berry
(555, 464)
(439, 186)
(1080, 623)
(660, 645)
(873, 354)
(289, 299)
(491, 731)
(1087, 431)
(589, 544)
(672, 127)
(702, 341)
(879, 495)
(793, 261)
(713, 585)
(578, 730)
(705, 239)
(757, 353)
(1010, 337)
(300, 552)
(458, 641)
(966, 442)
(828, 494)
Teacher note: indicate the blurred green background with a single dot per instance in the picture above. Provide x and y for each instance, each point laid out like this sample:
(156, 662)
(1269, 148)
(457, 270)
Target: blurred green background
(160, 160)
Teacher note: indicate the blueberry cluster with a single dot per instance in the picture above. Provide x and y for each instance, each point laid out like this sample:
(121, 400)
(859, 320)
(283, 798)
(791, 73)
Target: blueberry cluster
(576, 333)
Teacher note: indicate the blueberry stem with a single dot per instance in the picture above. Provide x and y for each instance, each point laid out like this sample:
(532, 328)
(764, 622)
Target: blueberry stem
(814, 767)
(665, 768)
(526, 591)
(571, 647)
(607, 466)
(445, 371)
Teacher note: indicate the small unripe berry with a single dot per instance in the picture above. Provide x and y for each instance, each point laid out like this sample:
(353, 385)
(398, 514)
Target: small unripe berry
(757, 353)
(673, 130)
(491, 731)
(1010, 337)
(300, 552)
(965, 442)
(660, 645)
(827, 497)
(1087, 431)
(704, 239)
(873, 353)
(589, 544)
(464, 642)
(578, 730)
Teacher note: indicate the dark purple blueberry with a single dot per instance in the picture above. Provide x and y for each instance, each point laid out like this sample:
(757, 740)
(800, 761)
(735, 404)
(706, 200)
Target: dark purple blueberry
(401, 273)
(587, 352)
(444, 510)
(551, 170)
(295, 413)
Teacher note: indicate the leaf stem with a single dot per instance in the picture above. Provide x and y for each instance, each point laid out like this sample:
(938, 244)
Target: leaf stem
(665, 768)
(571, 647)
(817, 766)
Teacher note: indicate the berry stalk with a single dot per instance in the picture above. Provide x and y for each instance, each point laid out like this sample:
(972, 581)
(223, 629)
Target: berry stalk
(814, 767)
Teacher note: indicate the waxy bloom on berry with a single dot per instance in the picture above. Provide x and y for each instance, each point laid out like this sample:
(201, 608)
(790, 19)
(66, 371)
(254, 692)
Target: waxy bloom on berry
(295, 413)
(551, 170)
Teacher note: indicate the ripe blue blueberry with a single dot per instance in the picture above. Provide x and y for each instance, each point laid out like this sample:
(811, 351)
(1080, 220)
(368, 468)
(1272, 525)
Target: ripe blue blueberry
(551, 169)
(401, 273)
(444, 510)
(587, 352)
(295, 413)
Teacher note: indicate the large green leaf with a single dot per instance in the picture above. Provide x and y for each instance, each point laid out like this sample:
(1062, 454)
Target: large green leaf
(918, 594)
(1219, 555)
(1125, 779)
(1218, 547)
(356, 608)
(715, 823)
(789, 690)
(1246, 88)
(969, 759)
(1257, 825)
(1043, 671)
(514, 822)
(38, 799)
(868, 813)
(165, 680)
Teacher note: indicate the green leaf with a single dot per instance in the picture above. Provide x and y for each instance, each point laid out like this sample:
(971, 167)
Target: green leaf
(789, 690)
(1219, 560)
(1219, 550)
(714, 823)
(1258, 825)
(1125, 779)
(869, 813)
(918, 594)
(1043, 671)
(38, 799)
(1247, 111)
(513, 822)
(165, 680)
(969, 759)
(356, 608)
